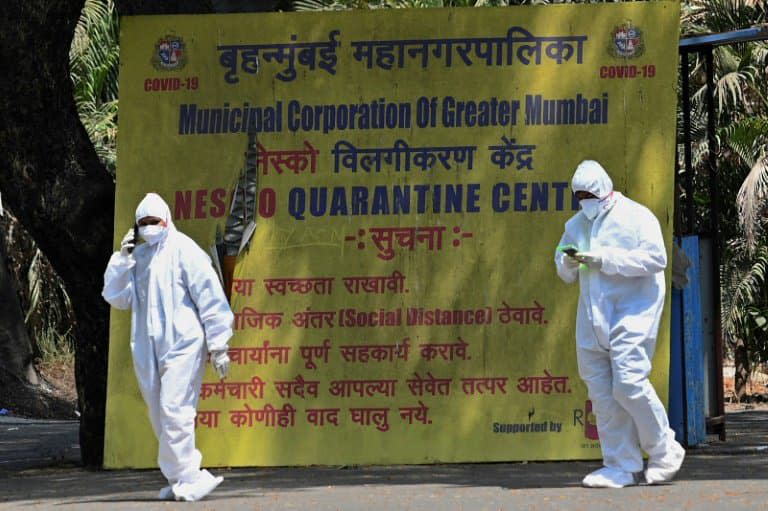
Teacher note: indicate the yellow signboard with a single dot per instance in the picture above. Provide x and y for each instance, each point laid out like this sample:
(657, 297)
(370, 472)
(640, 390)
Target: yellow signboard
(390, 187)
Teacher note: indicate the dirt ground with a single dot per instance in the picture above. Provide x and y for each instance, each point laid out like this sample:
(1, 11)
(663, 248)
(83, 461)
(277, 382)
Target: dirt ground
(61, 379)
(54, 398)
(757, 390)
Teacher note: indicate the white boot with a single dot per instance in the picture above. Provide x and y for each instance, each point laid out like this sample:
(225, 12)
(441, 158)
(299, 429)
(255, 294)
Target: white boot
(608, 477)
(664, 469)
(204, 484)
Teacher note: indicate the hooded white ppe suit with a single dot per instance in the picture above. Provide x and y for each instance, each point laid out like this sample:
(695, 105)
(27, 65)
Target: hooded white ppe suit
(178, 313)
(620, 305)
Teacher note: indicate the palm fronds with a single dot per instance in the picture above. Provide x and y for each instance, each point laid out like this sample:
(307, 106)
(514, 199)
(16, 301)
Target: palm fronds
(49, 314)
(751, 201)
(745, 310)
(742, 150)
(93, 65)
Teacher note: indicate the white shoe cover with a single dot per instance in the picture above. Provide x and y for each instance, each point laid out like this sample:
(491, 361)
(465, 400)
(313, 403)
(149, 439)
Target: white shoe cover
(608, 477)
(664, 469)
(197, 490)
(166, 493)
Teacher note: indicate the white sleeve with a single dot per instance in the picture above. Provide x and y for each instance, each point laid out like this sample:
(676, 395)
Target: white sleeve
(647, 258)
(118, 284)
(212, 305)
(568, 274)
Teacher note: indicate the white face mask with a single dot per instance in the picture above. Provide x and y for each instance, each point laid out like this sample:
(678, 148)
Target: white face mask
(591, 207)
(152, 233)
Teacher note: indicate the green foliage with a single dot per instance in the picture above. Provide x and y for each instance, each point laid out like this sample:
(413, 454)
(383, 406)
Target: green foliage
(49, 315)
(745, 301)
(93, 64)
(55, 347)
(742, 137)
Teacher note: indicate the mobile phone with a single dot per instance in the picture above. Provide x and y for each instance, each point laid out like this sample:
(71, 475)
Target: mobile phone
(570, 250)
(135, 237)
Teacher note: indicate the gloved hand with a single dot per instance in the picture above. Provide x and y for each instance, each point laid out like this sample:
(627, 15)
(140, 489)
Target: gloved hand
(591, 259)
(126, 246)
(220, 361)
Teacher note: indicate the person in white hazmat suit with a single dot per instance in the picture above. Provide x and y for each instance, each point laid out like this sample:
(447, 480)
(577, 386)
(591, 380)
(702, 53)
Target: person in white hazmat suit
(179, 314)
(619, 263)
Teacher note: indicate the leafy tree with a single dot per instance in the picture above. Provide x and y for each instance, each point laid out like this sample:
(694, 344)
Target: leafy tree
(741, 97)
(51, 178)
(93, 65)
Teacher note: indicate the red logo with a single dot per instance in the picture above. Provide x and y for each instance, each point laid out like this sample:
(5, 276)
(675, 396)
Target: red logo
(590, 422)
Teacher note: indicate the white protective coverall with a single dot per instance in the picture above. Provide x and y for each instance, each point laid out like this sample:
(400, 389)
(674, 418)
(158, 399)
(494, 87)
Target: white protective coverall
(178, 313)
(620, 305)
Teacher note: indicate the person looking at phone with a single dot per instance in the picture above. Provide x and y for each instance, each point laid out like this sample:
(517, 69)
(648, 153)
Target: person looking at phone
(179, 314)
(619, 263)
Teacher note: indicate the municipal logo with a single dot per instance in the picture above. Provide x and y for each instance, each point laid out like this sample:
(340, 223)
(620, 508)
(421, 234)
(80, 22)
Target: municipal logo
(170, 53)
(626, 42)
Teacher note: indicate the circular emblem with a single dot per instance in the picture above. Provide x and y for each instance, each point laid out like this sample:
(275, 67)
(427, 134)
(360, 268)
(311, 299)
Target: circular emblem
(626, 41)
(169, 53)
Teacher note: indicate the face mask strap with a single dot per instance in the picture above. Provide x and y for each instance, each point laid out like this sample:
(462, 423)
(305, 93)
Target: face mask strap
(607, 197)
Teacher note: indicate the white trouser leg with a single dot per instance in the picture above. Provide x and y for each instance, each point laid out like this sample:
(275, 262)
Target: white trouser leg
(631, 363)
(618, 435)
(178, 457)
(148, 378)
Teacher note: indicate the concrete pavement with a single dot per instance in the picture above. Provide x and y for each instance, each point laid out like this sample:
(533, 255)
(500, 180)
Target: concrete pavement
(38, 470)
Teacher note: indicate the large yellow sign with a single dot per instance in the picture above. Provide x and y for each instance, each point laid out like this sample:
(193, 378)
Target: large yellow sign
(389, 188)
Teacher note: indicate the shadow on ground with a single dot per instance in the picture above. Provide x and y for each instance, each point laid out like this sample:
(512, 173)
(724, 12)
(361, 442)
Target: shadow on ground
(744, 456)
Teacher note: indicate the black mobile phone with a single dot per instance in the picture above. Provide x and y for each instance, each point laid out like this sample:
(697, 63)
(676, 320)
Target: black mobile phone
(135, 236)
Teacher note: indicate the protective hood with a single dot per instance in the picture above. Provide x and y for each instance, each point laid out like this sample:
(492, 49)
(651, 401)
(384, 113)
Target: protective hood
(154, 205)
(591, 177)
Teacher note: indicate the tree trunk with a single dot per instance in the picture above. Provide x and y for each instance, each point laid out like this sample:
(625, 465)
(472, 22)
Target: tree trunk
(15, 348)
(21, 392)
(742, 370)
(52, 179)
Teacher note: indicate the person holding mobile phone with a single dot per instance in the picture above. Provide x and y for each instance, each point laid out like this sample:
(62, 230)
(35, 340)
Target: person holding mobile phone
(619, 263)
(179, 315)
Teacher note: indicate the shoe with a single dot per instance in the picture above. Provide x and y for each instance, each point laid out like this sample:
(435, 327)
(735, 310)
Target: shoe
(197, 490)
(608, 477)
(166, 493)
(665, 468)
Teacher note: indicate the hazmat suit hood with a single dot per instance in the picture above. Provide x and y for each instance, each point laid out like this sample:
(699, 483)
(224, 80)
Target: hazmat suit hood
(154, 205)
(591, 177)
